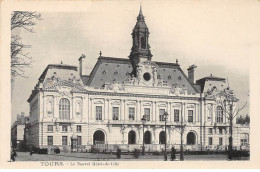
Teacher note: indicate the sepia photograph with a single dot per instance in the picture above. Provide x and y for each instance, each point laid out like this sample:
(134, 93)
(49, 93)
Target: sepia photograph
(101, 83)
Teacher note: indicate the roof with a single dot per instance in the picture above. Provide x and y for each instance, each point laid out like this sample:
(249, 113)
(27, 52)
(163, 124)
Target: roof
(209, 81)
(108, 69)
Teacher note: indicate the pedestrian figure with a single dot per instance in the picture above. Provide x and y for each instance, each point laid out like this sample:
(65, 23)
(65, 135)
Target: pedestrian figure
(136, 153)
(118, 153)
(173, 154)
(12, 155)
(31, 150)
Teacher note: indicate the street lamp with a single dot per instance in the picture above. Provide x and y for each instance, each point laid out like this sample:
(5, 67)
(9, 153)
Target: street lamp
(165, 116)
(143, 121)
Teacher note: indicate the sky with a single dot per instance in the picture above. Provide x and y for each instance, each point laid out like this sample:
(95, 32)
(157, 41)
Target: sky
(219, 37)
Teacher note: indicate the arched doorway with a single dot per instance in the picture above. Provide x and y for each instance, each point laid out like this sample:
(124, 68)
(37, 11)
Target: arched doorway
(162, 137)
(191, 138)
(147, 137)
(99, 137)
(131, 137)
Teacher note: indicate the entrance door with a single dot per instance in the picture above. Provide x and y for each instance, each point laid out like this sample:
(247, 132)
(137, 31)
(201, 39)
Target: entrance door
(99, 137)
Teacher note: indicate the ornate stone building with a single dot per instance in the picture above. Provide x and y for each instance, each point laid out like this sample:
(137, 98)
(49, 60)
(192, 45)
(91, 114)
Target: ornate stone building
(104, 110)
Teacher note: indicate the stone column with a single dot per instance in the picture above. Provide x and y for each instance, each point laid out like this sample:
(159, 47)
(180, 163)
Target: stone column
(153, 110)
(91, 109)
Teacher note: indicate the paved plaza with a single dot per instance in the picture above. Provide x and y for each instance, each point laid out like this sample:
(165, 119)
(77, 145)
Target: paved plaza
(25, 156)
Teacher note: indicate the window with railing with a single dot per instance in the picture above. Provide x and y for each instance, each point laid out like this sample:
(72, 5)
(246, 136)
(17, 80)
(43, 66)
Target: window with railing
(176, 115)
(210, 131)
(161, 112)
(64, 128)
(98, 112)
(131, 112)
(115, 113)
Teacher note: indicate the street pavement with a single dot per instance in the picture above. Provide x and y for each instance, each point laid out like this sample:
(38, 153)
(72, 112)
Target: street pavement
(25, 156)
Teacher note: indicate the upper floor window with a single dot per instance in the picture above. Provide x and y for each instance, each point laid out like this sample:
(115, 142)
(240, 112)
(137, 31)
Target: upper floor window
(143, 42)
(176, 115)
(147, 113)
(131, 113)
(78, 128)
(190, 115)
(219, 114)
(161, 112)
(115, 113)
(65, 128)
(210, 131)
(64, 109)
(98, 112)
(50, 128)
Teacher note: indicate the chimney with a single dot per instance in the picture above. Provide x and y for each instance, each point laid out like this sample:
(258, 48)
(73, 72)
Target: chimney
(80, 64)
(191, 73)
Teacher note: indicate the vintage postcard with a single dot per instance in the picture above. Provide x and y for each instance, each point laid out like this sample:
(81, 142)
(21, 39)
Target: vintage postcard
(130, 84)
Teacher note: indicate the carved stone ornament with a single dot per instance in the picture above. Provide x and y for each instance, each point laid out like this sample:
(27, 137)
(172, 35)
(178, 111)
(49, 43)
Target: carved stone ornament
(178, 90)
(115, 86)
(64, 91)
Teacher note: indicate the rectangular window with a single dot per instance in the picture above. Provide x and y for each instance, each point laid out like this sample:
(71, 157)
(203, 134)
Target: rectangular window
(115, 113)
(190, 115)
(210, 131)
(50, 128)
(220, 141)
(147, 113)
(131, 113)
(50, 140)
(221, 131)
(78, 128)
(65, 128)
(210, 140)
(64, 140)
(176, 115)
(161, 112)
(79, 140)
(98, 112)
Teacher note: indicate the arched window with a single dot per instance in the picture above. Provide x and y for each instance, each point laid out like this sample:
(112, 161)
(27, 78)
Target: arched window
(219, 114)
(191, 138)
(131, 137)
(147, 137)
(162, 137)
(64, 109)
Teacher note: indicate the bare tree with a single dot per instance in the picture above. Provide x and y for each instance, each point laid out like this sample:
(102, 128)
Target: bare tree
(19, 58)
(226, 99)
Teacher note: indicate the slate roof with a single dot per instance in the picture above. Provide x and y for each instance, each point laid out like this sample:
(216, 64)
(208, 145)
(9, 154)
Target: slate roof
(108, 69)
(210, 81)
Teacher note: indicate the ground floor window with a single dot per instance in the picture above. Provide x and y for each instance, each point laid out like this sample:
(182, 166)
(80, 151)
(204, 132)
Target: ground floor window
(131, 137)
(162, 137)
(244, 139)
(79, 140)
(50, 140)
(220, 141)
(191, 138)
(64, 140)
(210, 140)
(147, 137)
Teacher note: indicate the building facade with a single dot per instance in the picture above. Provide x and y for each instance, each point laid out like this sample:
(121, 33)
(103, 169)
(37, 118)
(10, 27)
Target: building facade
(18, 138)
(122, 103)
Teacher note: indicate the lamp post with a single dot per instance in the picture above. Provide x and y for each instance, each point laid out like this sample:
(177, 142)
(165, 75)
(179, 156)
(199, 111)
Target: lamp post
(143, 121)
(165, 116)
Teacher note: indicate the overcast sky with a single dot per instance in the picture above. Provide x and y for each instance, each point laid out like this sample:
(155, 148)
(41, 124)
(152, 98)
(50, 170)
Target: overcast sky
(220, 38)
